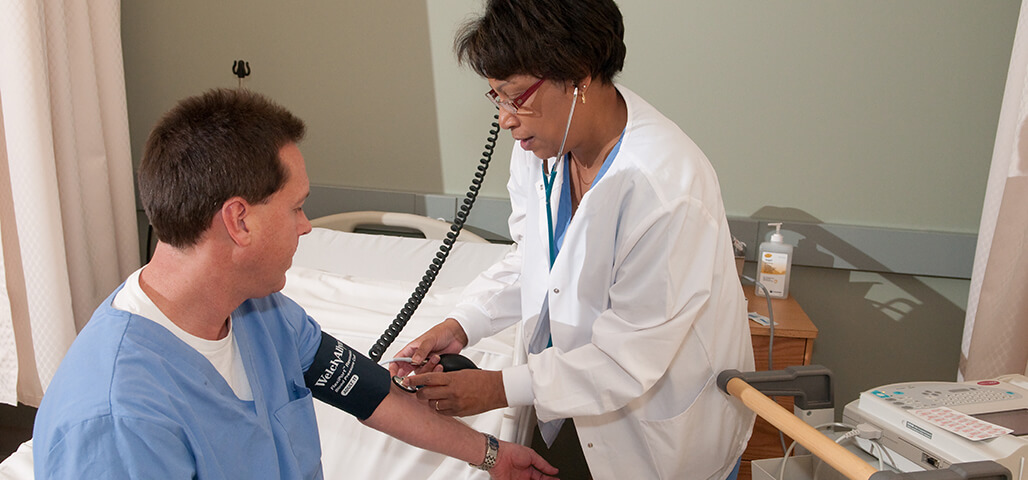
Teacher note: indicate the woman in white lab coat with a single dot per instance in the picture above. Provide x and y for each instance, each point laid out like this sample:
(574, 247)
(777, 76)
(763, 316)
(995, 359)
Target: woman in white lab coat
(623, 275)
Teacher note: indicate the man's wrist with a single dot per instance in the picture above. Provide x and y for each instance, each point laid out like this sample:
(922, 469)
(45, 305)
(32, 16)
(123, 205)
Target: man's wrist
(492, 449)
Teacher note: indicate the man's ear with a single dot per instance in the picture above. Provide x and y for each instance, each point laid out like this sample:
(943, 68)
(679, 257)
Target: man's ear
(234, 213)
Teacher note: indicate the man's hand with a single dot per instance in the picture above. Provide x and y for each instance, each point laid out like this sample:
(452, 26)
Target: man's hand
(519, 462)
(461, 393)
(424, 351)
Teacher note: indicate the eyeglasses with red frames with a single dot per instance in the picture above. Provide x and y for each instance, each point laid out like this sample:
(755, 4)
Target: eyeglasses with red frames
(515, 106)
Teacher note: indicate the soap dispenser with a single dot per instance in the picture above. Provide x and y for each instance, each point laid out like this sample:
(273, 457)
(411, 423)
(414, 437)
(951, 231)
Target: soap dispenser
(774, 265)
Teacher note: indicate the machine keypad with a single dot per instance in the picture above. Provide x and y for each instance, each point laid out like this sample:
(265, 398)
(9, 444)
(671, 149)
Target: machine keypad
(924, 396)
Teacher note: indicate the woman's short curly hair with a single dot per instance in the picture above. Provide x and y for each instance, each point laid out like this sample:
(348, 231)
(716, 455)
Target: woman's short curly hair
(558, 40)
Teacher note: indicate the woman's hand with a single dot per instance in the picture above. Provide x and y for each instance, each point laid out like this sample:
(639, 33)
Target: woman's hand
(424, 351)
(461, 393)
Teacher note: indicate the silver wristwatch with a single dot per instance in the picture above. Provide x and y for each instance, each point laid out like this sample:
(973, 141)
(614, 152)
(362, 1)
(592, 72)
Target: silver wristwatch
(492, 447)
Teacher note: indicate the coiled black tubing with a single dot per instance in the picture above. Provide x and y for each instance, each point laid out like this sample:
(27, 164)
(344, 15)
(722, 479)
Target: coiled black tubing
(405, 313)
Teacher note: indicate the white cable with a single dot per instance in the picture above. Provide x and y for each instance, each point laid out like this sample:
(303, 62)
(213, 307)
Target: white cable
(817, 469)
(872, 434)
(781, 471)
(867, 432)
(874, 444)
(835, 424)
(847, 435)
(770, 338)
(881, 454)
(771, 324)
(397, 359)
(842, 438)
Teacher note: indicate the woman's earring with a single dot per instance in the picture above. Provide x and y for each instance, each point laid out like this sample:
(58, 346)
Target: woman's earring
(583, 93)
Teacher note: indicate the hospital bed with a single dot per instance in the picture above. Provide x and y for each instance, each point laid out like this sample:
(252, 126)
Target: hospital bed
(353, 284)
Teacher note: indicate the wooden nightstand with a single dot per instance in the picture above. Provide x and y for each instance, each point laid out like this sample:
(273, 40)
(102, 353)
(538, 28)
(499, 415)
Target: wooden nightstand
(793, 345)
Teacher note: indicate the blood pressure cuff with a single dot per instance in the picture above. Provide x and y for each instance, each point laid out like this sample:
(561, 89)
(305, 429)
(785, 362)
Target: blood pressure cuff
(345, 379)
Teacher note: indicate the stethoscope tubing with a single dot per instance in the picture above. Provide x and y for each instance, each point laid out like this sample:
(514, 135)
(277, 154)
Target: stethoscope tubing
(548, 182)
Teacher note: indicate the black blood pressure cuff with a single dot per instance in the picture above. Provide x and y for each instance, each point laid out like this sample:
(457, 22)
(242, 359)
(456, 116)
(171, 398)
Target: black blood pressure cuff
(345, 379)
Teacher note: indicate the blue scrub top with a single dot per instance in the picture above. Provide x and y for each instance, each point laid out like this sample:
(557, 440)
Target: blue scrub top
(131, 400)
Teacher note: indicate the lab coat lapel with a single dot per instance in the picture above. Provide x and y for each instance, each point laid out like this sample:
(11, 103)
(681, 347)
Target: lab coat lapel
(541, 212)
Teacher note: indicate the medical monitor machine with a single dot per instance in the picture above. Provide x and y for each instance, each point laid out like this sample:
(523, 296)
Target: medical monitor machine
(931, 425)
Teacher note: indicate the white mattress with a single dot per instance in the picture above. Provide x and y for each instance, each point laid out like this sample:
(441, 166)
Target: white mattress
(384, 257)
(353, 285)
(18, 466)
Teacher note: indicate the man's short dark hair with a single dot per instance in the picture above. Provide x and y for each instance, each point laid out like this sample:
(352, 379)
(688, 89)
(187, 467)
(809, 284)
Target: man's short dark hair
(207, 149)
(559, 40)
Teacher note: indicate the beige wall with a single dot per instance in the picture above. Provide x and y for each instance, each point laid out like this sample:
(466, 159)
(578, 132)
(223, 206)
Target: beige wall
(359, 74)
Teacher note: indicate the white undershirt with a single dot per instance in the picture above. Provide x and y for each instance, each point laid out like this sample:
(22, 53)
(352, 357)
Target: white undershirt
(223, 354)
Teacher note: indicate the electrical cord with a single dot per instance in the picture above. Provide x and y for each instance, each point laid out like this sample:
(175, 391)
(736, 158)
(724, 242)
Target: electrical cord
(882, 452)
(771, 338)
(785, 458)
(863, 430)
(866, 432)
(771, 321)
(405, 313)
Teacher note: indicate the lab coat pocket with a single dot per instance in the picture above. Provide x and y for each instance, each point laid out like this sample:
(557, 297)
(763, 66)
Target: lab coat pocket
(297, 420)
(697, 433)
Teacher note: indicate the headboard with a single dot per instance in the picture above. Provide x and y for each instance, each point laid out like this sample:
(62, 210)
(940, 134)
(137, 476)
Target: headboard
(429, 227)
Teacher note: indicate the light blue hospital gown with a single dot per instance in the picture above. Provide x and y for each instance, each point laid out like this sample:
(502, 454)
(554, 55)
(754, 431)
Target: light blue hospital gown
(131, 400)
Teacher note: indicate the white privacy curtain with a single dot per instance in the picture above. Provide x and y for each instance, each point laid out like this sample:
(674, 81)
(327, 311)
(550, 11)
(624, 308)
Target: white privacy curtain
(67, 207)
(996, 329)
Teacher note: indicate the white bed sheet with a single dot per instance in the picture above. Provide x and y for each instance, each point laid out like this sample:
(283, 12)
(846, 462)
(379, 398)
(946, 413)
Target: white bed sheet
(385, 257)
(354, 284)
(18, 466)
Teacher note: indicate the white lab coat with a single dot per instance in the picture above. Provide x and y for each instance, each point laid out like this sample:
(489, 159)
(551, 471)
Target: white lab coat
(646, 308)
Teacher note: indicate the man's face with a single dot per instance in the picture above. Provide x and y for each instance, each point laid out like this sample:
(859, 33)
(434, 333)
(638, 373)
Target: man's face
(281, 221)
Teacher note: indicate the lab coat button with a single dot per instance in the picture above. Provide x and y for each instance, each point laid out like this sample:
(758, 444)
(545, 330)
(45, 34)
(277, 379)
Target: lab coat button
(590, 445)
(556, 290)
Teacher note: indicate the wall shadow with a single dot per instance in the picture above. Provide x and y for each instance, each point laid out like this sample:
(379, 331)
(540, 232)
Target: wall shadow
(875, 326)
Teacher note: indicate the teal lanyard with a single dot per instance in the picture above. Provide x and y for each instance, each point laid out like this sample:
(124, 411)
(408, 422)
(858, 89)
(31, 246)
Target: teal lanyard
(548, 184)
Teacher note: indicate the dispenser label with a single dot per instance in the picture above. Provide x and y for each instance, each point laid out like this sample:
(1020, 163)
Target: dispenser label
(773, 267)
